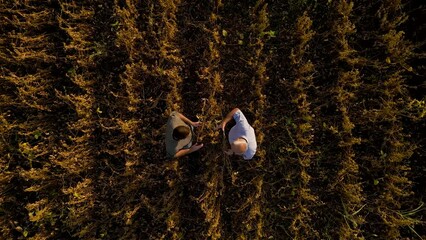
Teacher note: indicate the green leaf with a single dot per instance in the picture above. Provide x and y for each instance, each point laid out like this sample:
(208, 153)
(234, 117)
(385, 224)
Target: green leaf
(37, 134)
(376, 181)
(268, 33)
(388, 60)
(98, 110)
(271, 33)
(25, 233)
(224, 33)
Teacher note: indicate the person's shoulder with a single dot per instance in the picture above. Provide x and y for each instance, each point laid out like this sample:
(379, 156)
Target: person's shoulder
(251, 150)
(174, 119)
(239, 116)
(249, 154)
(174, 114)
(238, 112)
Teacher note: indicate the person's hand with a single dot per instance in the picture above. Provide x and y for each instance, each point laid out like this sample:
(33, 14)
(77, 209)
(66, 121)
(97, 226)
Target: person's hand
(221, 126)
(196, 147)
(228, 152)
(196, 124)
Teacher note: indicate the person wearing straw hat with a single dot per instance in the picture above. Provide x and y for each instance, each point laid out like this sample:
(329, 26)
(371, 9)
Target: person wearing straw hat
(179, 135)
(241, 136)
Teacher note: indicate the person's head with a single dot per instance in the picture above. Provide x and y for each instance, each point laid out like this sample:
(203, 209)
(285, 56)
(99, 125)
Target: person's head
(239, 146)
(180, 132)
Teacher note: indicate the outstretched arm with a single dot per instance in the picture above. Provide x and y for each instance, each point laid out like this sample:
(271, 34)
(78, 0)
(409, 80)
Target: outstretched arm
(227, 119)
(184, 152)
(187, 121)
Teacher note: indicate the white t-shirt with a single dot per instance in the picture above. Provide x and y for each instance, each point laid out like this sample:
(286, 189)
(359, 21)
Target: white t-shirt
(242, 129)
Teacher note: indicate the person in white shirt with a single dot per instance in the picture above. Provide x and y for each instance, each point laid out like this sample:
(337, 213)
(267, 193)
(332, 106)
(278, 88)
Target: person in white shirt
(241, 136)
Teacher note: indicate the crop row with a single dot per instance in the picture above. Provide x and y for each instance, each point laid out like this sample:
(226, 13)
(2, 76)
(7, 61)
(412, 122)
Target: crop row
(253, 224)
(210, 201)
(348, 82)
(390, 166)
(76, 155)
(27, 77)
(153, 65)
(303, 132)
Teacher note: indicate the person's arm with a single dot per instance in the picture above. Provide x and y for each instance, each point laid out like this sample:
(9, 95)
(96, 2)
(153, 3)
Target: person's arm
(227, 119)
(184, 152)
(187, 121)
